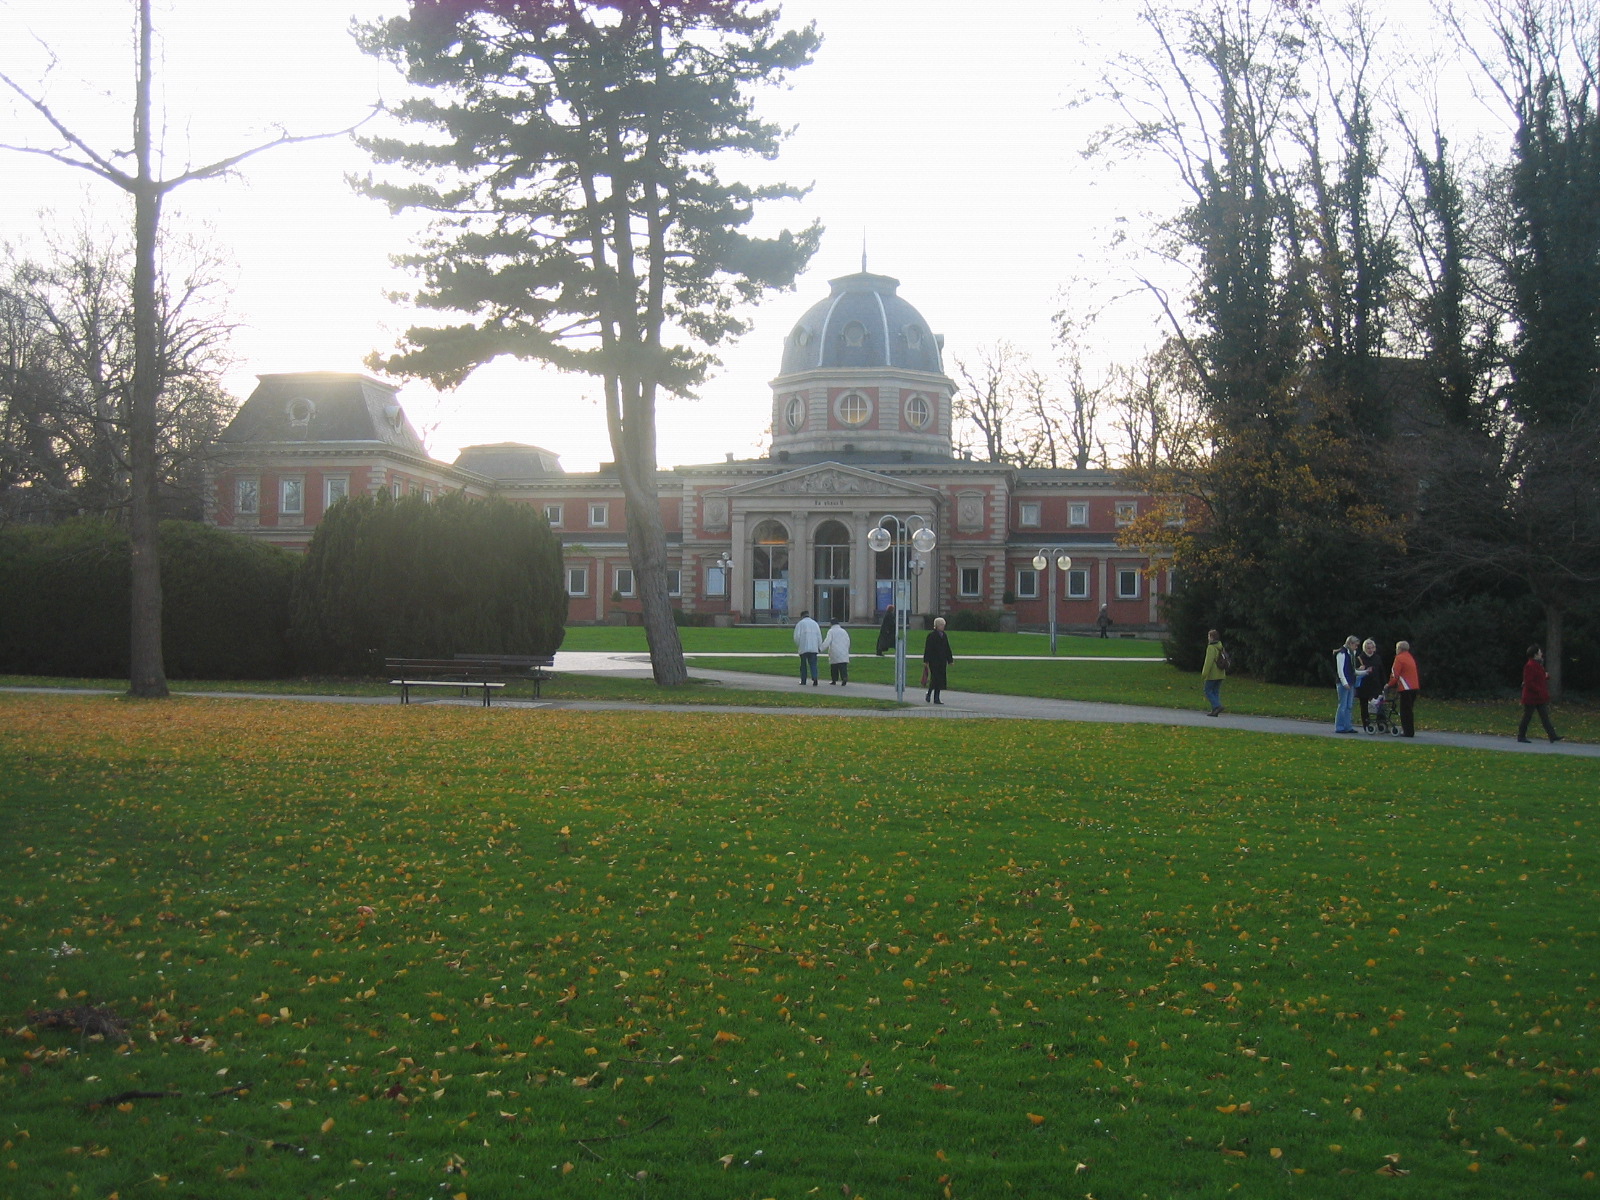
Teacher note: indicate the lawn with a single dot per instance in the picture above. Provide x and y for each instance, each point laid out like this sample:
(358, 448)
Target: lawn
(566, 685)
(447, 952)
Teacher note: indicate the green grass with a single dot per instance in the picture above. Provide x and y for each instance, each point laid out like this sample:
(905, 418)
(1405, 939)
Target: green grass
(779, 639)
(565, 686)
(443, 952)
(1161, 685)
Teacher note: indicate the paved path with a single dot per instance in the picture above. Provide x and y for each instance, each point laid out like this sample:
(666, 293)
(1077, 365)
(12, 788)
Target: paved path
(957, 706)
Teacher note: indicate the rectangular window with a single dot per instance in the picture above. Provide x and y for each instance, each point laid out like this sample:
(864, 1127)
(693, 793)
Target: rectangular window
(597, 516)
(1077, 584)
(971, 580)
(1127, 584)
(291, 497)
(577, 581)
(1127, 510)
(716, 581)
(624, 581)
(1077, 514)
(1028, 514)
(394, 489)
(552, 513)
(427, 495)
(247, 497)
(1027, 584)
(674, 582)
(334, 489)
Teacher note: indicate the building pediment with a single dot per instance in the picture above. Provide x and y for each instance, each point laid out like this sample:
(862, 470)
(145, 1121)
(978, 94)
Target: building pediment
(830, 479)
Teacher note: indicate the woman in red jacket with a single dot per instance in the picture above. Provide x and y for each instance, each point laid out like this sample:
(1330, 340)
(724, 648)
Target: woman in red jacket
(1536, 696)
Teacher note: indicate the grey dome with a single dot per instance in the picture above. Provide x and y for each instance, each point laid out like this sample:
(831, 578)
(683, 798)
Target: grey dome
(862, 324)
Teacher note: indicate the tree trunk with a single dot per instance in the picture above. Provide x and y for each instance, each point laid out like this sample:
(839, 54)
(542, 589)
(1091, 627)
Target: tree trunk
(647, 550)
(146, 672)
(1554, 620)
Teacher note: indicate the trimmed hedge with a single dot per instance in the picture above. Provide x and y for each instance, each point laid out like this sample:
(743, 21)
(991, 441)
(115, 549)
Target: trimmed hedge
(410, 578)
(64, 601)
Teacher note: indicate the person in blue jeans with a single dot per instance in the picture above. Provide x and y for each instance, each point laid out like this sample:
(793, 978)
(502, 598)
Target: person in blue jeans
(1344, 677)
(1214, 671)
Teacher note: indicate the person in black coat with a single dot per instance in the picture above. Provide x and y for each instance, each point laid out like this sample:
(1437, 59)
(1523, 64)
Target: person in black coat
(936, 657)
(886, 632)
(1369, 677)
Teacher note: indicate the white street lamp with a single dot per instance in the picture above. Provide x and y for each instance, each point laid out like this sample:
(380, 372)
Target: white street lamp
(904, 535)
(725, 564)
(1041, 562)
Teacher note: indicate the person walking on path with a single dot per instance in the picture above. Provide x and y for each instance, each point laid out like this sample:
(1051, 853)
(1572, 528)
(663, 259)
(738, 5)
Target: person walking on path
(837, 647)
(1344, 672)
(1536, 696)
(1104, 621)
(1403, 677)
(807, 640)
(886, 632)
(1369, 678)
(1214, 671)
(936, 657)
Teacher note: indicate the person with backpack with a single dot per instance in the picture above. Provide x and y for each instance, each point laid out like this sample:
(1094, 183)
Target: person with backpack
(1214, 671)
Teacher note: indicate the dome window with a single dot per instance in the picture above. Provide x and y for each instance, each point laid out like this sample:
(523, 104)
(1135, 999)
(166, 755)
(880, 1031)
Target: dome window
(795, 414)
(855, 334)
(301, 410)
(802, 336)
(918, 412)
(852, 408)
(913, 336)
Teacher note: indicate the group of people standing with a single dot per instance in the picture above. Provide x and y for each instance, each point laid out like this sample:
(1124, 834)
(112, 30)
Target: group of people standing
(1359, 680)
(810, 643)
(1358, 677)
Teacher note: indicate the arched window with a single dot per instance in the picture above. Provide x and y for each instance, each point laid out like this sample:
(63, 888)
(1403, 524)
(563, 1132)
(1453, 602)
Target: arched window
(769, 572)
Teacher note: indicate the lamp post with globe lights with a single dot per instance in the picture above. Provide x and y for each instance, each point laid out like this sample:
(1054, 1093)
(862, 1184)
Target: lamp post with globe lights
(725, 565)
(1041, 562)
(909, 538)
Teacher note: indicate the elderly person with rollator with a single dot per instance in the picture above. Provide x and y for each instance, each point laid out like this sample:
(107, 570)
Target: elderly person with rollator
(1405, 679)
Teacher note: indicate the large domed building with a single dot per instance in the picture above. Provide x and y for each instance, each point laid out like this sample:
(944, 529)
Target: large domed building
(861, 413)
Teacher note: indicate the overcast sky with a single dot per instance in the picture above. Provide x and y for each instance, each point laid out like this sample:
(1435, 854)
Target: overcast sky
(939, 131)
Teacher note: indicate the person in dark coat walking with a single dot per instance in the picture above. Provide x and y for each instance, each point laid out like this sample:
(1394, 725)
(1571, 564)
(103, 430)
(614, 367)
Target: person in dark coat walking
(886, 632)
(1536, 696)
(936, 657)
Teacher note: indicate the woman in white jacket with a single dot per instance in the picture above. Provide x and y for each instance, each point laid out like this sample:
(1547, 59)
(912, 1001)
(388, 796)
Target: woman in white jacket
(837, 647)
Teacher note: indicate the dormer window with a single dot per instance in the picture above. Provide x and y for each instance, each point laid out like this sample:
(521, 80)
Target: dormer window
(855, 334)
(913, 335)
(300, 411)
(802, 336)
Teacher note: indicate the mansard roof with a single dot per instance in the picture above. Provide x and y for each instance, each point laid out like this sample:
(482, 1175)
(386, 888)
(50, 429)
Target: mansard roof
(323, 406)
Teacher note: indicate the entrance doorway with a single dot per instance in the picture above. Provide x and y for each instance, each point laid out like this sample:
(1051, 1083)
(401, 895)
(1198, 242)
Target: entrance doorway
(769, 573)
(831, 578)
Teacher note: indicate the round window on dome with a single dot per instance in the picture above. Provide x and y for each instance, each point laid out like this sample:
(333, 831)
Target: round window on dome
(802, 336)
(853, 408)
(918, 412)
(795, 413)
(913, 336)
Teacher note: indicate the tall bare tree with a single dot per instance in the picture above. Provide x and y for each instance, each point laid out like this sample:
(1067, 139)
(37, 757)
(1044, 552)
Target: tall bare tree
(136, 173)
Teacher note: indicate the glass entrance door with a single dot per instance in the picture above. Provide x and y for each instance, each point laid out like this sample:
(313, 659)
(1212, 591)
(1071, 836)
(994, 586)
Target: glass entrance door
(831, 576)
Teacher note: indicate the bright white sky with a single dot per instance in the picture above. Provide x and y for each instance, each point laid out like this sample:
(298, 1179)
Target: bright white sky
(939, 130)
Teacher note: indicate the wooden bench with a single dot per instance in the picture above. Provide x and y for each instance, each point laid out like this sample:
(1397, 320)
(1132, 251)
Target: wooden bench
(470, 670)
(405, 686)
